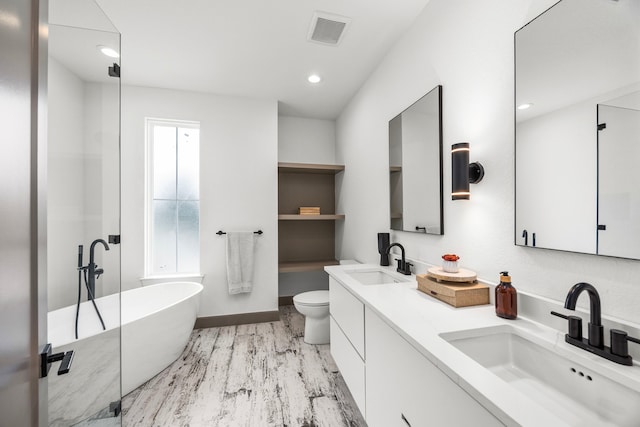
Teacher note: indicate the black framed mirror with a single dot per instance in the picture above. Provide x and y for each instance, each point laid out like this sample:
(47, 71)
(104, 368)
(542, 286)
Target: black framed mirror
(577, 121)
(415, 166)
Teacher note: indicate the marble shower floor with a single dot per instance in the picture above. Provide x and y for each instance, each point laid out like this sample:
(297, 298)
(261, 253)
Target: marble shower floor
(249, 375)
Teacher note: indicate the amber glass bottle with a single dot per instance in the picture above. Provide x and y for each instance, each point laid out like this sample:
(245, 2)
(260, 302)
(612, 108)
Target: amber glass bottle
(506, 298)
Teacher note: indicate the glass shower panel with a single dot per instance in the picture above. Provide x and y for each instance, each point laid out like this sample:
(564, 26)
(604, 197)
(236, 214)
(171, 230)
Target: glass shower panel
(83, 206)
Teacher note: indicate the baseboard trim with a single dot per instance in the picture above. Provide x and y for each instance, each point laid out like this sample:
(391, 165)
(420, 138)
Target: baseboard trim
(285, 301)
(237, 319)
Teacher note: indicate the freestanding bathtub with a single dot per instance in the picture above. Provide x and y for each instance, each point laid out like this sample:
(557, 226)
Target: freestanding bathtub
(156, 323)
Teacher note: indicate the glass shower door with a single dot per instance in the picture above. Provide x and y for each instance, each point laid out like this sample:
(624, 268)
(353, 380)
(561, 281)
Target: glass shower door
(83, 213)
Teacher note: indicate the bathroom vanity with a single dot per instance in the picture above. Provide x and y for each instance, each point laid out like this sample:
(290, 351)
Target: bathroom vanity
(409, 359)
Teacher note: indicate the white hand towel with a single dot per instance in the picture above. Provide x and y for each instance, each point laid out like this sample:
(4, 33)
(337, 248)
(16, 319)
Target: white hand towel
(240, 246)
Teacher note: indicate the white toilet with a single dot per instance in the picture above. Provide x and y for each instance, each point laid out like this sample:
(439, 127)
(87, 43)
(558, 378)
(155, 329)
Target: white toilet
(314, 306)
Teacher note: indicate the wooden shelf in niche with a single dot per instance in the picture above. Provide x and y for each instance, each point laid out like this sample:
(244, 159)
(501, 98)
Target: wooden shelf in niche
(310, 168)
(302, 266)
(321, 217)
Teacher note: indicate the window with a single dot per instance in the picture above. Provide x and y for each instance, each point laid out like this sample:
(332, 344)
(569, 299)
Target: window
(173, 197)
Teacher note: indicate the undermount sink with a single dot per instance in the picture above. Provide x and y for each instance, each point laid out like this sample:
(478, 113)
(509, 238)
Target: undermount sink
(578, 395)
(375, 277)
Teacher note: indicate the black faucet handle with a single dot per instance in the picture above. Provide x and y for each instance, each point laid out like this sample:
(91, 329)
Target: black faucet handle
(404, 267)
(635, 340)
(619, 342)
(407, 268)
(575, 325)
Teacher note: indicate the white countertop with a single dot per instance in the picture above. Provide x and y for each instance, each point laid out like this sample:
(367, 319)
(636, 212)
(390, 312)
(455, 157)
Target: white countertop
(419, 319)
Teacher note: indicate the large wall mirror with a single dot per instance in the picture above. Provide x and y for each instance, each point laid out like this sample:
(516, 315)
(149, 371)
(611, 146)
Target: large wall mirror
(415, 166)
(577, 98)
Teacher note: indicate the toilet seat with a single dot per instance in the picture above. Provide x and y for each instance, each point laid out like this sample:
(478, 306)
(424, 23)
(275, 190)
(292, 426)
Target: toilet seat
(312, 298)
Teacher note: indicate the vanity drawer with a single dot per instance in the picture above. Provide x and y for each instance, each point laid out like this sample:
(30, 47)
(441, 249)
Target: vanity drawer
(350, 364)
(348, 313)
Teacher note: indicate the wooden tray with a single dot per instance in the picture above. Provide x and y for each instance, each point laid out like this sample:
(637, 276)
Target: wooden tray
(463, 275)
(455, 294)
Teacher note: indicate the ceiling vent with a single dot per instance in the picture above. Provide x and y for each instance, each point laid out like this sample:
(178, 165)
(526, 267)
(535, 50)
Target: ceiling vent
(327, 28)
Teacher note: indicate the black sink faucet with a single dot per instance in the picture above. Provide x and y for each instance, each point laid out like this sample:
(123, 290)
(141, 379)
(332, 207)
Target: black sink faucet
(404, 267)
(618, 352)
(596, 331)
(93, 271)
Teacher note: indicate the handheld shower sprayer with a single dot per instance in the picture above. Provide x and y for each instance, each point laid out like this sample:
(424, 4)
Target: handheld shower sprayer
(80, 261)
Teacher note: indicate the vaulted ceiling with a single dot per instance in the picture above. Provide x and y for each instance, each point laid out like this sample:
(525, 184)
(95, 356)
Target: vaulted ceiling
(256, 48)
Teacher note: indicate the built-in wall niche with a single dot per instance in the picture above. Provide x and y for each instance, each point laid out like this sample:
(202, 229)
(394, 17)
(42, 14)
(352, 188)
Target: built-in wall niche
(306, 242)
(415, 166)
(577, 113)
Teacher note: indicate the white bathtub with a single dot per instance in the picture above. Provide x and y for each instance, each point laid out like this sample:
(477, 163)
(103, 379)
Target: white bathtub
(156, 323)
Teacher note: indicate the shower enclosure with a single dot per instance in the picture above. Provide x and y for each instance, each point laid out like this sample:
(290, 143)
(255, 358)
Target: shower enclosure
(83, 206)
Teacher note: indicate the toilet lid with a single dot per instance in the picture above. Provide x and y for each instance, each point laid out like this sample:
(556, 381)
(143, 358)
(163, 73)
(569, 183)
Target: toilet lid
(312, 298)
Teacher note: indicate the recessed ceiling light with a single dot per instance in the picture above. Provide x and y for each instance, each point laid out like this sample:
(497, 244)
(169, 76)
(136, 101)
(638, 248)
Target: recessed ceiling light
(110, 52)
(314, 78)
(525, 106)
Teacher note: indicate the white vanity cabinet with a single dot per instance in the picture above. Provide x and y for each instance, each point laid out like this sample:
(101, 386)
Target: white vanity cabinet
(347, 339)
(403, 388)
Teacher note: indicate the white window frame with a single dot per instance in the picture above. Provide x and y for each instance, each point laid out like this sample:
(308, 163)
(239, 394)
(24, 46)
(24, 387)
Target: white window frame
(150, 122)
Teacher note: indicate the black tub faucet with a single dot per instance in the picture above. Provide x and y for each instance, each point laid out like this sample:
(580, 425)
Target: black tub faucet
(94, 272)
(404, 267)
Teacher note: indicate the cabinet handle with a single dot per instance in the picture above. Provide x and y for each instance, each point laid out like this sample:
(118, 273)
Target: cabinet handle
(405, 420)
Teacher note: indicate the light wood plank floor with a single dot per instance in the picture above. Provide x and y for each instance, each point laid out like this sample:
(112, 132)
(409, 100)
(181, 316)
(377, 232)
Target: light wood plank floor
(249, 375)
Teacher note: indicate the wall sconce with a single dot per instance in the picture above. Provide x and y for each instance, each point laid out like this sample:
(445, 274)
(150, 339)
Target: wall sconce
(463, 173)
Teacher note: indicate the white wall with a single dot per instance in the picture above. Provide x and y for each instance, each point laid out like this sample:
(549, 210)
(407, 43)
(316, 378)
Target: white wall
(238, 175)
(303, 140)
(65, 183)
(467, 46)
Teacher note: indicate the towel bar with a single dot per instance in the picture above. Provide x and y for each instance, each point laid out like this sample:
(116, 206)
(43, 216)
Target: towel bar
(220, 232)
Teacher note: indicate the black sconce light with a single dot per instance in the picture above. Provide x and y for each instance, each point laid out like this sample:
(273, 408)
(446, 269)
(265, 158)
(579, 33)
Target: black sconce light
(463, 173)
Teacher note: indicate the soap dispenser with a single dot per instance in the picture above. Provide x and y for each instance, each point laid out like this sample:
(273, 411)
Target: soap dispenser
(383, 244)
(506, 298)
